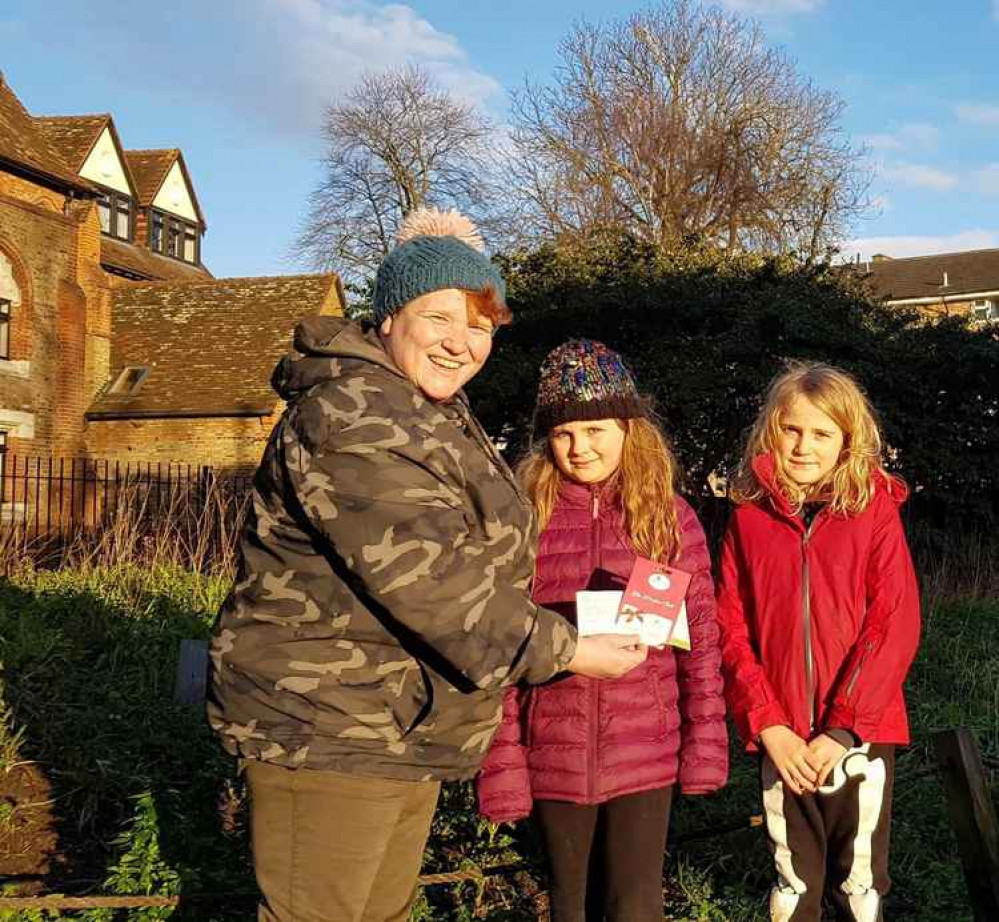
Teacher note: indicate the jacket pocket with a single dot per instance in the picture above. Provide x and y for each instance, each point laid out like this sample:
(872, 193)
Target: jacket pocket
(655, 682)
(391, 697)
(527, 732)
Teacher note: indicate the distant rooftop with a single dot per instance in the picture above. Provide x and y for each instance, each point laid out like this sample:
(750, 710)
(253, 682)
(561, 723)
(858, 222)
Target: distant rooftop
(939, 275)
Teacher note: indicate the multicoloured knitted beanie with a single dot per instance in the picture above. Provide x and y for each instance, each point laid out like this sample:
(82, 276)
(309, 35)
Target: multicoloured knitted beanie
(583, 379)
(434, 250)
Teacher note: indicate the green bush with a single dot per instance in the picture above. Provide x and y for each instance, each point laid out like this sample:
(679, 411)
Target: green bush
(705, 333)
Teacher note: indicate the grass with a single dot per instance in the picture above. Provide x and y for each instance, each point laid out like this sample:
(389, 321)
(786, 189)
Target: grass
(142, 800)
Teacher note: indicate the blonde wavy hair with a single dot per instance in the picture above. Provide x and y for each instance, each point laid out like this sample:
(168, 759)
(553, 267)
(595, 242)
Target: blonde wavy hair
(646, 480)
(849, 486)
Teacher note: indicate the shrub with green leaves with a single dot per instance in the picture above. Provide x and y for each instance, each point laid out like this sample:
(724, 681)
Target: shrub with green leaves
(705, 333)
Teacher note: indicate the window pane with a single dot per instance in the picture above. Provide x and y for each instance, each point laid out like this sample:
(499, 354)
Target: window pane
(121, 223)
(4, 338)
(104, 213)
(156, 234)
(190, 250)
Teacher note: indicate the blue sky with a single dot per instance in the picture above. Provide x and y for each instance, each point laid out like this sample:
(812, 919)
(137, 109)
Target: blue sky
(240, 85)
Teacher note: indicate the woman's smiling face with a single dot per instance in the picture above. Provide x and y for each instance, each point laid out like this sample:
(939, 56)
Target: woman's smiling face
(436, 344)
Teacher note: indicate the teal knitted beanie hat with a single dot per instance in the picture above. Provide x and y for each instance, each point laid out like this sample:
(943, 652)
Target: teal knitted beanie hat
(435, 250)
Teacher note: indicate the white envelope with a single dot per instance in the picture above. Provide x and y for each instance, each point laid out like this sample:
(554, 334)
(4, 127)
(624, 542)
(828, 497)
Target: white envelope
(597, 613)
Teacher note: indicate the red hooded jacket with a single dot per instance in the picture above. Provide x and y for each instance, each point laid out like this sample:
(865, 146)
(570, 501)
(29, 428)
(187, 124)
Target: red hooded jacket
(819, 625)
(588, 740)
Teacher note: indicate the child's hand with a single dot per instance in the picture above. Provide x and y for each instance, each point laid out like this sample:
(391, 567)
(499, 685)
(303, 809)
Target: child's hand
(826, 755)
(791, 757)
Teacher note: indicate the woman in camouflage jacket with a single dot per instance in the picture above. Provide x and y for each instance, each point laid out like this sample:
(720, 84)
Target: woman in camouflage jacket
(382, 602)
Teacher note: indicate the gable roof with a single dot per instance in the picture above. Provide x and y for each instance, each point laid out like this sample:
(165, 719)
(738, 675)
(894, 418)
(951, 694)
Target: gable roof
(74, 137)
(150, 169)
(915, 277)
(139, 263)
(210, 346)
(24, 145)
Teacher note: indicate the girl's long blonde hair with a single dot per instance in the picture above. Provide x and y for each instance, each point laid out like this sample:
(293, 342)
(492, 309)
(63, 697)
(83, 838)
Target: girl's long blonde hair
(646, 480)
(849, 486)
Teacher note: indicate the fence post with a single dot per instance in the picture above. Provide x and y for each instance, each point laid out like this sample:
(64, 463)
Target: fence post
(192, 672)
(973, 818)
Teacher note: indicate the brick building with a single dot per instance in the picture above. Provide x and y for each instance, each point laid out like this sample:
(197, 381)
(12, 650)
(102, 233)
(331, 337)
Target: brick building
(115, 340)
(944, 284)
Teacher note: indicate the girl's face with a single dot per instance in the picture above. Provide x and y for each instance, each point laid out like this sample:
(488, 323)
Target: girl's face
(809, 442)
(588, 451)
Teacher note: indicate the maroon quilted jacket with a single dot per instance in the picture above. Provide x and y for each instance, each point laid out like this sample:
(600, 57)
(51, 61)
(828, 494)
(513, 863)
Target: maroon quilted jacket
(589, 740)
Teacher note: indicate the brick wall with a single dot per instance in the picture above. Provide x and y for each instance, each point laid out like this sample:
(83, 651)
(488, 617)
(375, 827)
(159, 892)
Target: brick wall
(53, 250)
(226, 442)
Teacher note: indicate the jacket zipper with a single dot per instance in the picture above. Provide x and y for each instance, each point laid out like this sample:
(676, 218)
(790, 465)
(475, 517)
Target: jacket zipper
(868, 649)
(594, 696)
(806, 614)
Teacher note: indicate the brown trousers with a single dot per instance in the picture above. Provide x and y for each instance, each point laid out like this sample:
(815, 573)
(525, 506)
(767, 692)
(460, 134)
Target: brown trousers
(330, 847)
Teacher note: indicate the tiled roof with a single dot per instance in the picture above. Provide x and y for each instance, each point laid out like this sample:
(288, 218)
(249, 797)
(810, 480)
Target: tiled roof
(73, 136)
(149, 169)
(210, 346)
(138, 261)
(970, 272)
(24, 144)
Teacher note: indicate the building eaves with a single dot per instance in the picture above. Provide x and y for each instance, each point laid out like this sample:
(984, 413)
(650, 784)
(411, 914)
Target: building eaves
(25, 149)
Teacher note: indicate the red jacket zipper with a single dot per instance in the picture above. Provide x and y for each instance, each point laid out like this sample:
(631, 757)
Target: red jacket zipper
(594, 695)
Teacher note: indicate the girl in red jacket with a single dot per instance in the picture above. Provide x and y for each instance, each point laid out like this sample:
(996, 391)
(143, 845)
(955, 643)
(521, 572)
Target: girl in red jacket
(819, 612)
(597, 759)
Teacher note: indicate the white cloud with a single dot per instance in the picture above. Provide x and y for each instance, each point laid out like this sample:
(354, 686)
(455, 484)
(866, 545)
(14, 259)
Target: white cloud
(898, 247)
(275, 63)
(919, 175)
(773, 7)
(978, 113)
(325, 45)
(915, 135)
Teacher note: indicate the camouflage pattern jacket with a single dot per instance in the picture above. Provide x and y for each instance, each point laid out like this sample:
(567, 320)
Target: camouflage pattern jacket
(382, 601)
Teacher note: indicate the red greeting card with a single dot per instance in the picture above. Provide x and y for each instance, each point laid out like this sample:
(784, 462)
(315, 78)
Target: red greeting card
(655, 594)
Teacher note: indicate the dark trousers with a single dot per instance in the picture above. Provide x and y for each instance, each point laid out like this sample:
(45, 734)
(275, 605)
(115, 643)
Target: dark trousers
(834, 841)
(606, 860)
(329, 847)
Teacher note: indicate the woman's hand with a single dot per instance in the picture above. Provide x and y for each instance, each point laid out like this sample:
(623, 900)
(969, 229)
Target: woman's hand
(607, 656)
(826, 754)
(792, 758)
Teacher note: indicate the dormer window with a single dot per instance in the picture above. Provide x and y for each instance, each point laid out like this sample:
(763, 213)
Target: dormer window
(115, 212)
(129, 381)
(173, 236)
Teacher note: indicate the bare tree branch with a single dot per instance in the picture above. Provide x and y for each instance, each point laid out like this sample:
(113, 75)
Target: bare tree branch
(394, 143)
(680, 124)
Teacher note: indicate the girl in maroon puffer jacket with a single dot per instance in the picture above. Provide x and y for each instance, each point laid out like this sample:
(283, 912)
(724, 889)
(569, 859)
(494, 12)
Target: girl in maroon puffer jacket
(597, 760)
(820, 620)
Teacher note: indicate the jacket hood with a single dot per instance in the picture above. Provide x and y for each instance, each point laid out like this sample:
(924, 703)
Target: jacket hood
(765, 469)
(320, 345)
